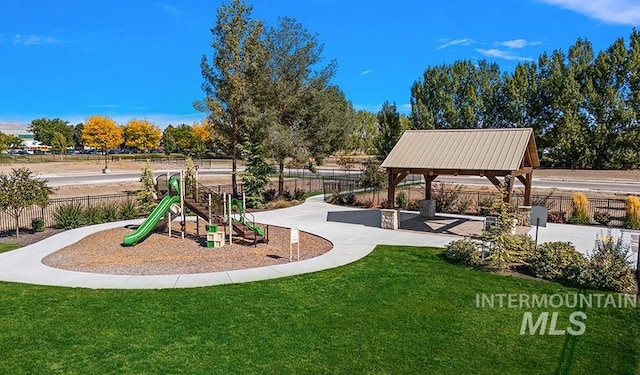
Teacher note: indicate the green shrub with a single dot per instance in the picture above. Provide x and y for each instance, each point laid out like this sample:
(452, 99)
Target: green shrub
(463, 205)
(484, 206)
(37, 224)
(463, 251)
(608, 267)
(446, 196)
(343, 199)
(128, 210)
(522, 245)
(401, 200)
(93, 215)
(558, 261)
(110, 213)
(298, 194)
(69, 216)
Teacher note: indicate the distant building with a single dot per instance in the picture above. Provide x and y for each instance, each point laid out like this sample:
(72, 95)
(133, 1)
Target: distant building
(18, 129)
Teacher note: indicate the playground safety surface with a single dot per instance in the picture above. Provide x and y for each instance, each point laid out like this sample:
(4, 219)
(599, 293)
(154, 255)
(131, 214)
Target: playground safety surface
(160, 254)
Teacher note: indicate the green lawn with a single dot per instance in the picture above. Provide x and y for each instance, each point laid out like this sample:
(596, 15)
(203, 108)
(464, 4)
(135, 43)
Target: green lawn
(8, 246)
(400, 310)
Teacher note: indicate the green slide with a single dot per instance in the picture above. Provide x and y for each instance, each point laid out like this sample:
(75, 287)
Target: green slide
(156, 215)
(238, 203)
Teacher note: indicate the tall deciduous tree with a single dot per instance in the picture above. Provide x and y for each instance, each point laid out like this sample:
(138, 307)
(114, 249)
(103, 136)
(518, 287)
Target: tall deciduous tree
(362, 132)
(390, 130)
(20, 190)
(59, 143)
(305, 116)
(181, 137)
(237, 54)
(44, 130)
(101, 133)
(142, 135)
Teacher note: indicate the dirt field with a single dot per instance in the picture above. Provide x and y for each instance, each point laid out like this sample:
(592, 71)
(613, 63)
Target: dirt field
(61, 168)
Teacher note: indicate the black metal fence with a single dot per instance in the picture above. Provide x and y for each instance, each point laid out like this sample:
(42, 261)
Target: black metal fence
(7, 222)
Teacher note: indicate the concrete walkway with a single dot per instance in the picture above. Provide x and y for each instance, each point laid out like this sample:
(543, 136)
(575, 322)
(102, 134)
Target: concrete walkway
(353, 232)
(351, 242)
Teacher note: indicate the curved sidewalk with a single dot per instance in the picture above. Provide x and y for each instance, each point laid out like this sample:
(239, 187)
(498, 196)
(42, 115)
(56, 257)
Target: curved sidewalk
(350, 243)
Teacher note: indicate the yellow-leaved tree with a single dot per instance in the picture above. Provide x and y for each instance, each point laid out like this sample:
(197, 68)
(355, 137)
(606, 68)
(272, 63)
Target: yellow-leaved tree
(202, 131)
(102, 133)
(142, 134)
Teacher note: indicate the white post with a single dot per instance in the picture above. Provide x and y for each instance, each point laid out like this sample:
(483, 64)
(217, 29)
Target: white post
(230, 222)
(224, 208)
(244, 206)
(184, 218)
(209, 208)
(169, 220)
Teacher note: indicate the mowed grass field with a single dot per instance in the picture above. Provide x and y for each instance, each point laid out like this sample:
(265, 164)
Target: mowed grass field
(401, 310)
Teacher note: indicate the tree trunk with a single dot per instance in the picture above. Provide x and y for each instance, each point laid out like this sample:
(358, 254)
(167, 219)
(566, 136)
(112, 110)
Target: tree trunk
(280, 177)
(234, 166)
(17, 226)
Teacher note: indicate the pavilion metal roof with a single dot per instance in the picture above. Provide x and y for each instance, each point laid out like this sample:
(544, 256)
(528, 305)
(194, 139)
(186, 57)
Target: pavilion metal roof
(465, 149)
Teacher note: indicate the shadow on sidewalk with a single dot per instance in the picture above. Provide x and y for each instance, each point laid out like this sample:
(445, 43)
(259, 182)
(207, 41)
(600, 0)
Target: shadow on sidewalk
(442, 224)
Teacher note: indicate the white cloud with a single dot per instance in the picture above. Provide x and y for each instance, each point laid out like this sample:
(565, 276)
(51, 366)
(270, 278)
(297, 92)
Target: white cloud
(455, 42)
(170, 9)
(366, 72)
(518, 43)
(32, 40)
(622, 12)
(500, 54)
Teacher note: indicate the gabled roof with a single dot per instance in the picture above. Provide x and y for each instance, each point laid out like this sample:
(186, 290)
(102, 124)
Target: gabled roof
(465, 149)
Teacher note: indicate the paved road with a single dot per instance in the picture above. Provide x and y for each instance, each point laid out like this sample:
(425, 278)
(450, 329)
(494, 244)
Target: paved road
(621, 186)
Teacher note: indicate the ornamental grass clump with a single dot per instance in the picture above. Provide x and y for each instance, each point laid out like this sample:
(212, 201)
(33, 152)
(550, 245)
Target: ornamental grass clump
(632, 216)
(580, 213)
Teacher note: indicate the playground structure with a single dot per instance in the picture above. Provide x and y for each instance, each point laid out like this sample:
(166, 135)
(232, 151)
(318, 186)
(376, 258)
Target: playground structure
(182, 194)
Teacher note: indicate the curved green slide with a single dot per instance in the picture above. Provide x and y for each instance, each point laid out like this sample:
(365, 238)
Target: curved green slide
(238, 203)
(156, 215)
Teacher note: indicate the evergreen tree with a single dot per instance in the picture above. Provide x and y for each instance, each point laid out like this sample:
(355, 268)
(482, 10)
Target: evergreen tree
(256, 174)
(229, 77)
(147, 196)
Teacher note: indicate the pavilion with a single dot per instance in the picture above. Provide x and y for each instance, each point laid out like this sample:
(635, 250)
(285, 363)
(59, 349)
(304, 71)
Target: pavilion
(500, 155)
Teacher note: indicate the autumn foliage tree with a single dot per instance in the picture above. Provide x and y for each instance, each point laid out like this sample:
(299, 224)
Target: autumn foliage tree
(142, 135)
(102, 133)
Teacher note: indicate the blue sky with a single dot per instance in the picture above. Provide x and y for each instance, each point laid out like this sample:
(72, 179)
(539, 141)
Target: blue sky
(140, 59)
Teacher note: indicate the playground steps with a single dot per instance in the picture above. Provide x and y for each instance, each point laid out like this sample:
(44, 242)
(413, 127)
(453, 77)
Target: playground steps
(246, 233)
(202, 210)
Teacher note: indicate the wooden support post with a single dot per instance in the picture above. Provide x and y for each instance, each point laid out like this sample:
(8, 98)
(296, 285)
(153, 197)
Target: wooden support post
(391, 191)
(526, 181)
(428, 194)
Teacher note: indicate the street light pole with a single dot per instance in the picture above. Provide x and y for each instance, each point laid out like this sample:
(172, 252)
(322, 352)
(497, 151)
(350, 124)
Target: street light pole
(106, 167)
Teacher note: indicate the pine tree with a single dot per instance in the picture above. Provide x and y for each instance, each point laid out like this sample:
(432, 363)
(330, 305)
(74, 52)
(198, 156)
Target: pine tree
(147, 195)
